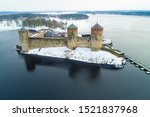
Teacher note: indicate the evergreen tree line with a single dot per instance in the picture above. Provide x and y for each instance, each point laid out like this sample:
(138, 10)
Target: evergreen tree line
(22, 15)
(121, 12)
(30, 15)
(73, 16)
(36, 22)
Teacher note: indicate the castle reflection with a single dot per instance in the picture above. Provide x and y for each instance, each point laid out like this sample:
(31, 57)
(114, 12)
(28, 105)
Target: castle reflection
(74, 69)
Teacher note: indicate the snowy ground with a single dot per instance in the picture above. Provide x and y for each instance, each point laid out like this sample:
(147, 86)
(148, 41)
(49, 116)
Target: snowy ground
(107, 41)
(9, 25)
(81, 54)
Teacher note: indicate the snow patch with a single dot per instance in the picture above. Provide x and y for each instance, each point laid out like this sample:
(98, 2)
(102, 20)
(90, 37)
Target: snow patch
(81, 54)
(107, 41)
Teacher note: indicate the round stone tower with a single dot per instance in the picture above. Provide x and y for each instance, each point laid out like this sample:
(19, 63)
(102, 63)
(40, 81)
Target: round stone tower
(72, 32)
(96, 37)
(24, 38)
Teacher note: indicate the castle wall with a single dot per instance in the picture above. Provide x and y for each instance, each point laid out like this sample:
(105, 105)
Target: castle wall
(96, 44)
(60, 42)
(113, 51)
(39, 40)
(83, 42)
(72, 43)
(24, 40)
(46, 42)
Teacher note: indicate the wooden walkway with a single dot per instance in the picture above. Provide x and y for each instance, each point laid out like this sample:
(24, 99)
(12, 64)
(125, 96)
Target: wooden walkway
(141, 66)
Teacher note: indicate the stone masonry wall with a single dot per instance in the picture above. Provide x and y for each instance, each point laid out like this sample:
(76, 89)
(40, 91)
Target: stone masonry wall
(45, 42)
(96, 44)
(83, 42)
(39, 41)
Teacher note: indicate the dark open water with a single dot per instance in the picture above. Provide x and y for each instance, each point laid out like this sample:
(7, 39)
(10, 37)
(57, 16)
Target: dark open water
(39, 78)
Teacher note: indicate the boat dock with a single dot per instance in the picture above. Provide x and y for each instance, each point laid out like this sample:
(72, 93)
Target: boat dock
(138, 64)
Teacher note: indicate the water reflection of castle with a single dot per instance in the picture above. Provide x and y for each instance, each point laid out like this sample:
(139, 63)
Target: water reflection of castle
(73, 69)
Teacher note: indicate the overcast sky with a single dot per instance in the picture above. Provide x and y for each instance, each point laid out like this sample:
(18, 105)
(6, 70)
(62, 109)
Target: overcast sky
(38, 5)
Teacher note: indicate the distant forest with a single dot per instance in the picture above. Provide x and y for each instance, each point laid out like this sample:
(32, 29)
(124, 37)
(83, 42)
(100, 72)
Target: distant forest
(30, 15)
(122, 12)
(73, 16)
(76, 16)
(36, 22)
(22, 15)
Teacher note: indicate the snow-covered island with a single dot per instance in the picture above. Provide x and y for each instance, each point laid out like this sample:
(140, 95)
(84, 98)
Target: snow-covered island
(81, 54)
(69, 44)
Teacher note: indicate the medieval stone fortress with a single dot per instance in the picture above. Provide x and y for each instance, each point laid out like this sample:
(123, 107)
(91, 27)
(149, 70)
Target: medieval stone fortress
(90, 48)
(43, 39)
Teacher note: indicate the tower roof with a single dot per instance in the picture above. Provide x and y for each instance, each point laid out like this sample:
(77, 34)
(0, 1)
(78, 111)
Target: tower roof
(72, 26)
(97, 26)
